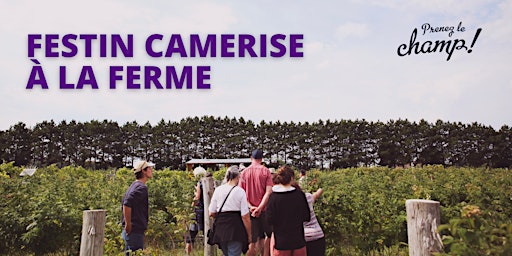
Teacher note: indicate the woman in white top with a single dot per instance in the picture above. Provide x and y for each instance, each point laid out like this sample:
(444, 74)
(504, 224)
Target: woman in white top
(315, 240)
(233, 224)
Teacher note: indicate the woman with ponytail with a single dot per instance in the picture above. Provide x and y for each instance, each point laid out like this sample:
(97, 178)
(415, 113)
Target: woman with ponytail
(287, 211)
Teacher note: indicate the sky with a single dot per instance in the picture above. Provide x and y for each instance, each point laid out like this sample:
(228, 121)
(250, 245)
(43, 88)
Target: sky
(350, 67)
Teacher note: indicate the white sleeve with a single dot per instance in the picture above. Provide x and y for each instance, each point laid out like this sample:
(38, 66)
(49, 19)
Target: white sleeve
(244, 207)
(213, 203)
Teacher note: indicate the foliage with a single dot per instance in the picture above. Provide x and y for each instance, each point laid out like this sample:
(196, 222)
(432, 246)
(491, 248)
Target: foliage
(365, 207)
(43, 213)
(220, 174)
(478, 232)
(8, 169)
(362, 210)
(323, 144)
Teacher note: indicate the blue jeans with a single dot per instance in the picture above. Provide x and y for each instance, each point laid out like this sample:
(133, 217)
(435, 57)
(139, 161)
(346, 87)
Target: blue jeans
(132, 242)
(232, 248)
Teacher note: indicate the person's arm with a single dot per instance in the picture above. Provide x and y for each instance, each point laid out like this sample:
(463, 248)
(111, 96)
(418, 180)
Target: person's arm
(247, 223)
(197, 195)
(264, 201)
(317, 194)
(242, 196)
(212, 209)
(251, 207)
(127, 212)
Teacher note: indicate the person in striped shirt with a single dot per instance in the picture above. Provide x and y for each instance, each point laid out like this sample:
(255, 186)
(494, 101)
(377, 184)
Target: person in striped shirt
(315, 240)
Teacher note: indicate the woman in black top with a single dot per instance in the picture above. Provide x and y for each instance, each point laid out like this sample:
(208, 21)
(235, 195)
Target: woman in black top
(287, 210)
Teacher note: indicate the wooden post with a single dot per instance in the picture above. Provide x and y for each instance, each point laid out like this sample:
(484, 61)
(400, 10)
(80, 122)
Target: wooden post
(208, 188)
(423, 218)
(93, 231)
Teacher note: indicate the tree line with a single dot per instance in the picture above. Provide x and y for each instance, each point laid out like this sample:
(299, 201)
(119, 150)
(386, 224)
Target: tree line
(322, 144)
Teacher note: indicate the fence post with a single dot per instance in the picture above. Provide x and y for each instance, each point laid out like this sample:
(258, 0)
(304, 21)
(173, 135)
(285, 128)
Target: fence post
(208, 188)
(423, 218)
(93, 232)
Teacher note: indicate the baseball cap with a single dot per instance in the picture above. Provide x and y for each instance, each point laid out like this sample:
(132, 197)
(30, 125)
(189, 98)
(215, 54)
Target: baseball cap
(139, 166)
(257, 154)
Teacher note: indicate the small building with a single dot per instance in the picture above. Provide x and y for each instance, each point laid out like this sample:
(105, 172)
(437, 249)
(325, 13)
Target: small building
(214, 163)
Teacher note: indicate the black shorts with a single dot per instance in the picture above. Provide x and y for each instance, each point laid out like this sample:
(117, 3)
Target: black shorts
(260, 227)
(316, 247)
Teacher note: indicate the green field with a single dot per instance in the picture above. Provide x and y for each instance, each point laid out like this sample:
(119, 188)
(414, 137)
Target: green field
(362, 210)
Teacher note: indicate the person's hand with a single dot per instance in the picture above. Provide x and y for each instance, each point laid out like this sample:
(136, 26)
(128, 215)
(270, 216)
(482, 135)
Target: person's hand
(256, 213)
(128, 229)
(252, 209)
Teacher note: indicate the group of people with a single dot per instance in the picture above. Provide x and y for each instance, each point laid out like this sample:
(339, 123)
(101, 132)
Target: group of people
(255, 212)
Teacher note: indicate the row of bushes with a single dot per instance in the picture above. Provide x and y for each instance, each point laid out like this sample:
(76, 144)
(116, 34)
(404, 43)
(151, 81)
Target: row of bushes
(365, 207)
(362, 210)
(42, 213)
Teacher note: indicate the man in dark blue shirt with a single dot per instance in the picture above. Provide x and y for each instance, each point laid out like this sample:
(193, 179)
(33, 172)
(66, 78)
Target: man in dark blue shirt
(136, 208)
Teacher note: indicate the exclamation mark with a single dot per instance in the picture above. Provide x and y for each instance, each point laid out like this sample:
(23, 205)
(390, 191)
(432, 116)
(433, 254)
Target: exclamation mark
(474, 39)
